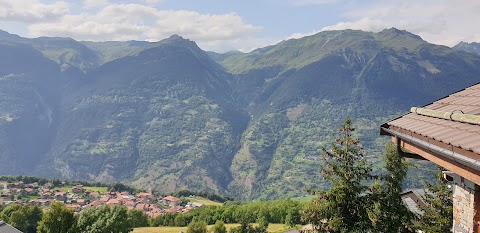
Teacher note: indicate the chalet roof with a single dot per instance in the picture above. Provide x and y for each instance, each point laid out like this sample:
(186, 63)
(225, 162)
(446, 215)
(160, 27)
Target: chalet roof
(5, 228)
(449, 127)
(453, 121)
(450, 131)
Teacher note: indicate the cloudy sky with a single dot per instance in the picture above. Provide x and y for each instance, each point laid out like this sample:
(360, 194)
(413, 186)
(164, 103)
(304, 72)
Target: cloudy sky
(223, 25)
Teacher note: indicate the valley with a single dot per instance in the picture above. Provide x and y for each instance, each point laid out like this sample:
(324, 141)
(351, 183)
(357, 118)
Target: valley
(167, 115)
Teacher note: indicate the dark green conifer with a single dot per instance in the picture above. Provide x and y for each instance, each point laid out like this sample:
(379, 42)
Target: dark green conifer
(437, 216)
(343, 207)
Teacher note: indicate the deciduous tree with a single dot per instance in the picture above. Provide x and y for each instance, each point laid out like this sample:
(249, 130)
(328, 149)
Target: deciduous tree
(58, 219)
(197, 227)
(219, 227)
(137, 218)
(112, 219)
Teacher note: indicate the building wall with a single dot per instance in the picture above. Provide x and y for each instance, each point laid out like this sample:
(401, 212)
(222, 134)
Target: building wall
(466, 207)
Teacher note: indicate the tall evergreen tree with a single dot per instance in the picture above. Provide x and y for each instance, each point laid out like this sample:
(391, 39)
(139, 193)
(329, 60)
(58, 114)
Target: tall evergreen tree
(387, 212)
(437, 216)
(343, 207)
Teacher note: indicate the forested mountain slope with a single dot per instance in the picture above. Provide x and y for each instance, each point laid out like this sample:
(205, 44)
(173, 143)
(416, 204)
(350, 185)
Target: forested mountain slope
(167, 115)
(299, 91)
(164, 119)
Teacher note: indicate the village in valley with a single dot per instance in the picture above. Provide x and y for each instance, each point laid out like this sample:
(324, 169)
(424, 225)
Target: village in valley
(79, 197)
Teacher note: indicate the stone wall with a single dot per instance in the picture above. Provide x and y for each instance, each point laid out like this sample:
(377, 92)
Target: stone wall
(466, 206)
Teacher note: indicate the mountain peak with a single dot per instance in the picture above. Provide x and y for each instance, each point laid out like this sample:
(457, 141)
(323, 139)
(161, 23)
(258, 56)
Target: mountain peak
(176, 39)
(463, 43)
(6, 35)
(394, 32)
(472, 47)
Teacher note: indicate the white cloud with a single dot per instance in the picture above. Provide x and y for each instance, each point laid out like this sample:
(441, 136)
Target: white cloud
(152, 2)
(94, 3)
(300, 35)
(142, 21)
(242, 44)
(29, 11)
(438, 21)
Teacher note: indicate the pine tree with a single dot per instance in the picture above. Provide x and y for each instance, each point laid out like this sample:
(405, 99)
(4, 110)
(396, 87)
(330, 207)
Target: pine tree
(387, 212)
(437, 216)
(343, 207)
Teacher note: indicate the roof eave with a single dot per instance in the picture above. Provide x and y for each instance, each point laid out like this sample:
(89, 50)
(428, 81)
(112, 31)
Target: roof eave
(426, 146)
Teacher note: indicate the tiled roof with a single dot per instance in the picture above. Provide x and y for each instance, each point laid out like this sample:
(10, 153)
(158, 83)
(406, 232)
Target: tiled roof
(5, 228)
(458, 134)
(412, 205)
(171, 199)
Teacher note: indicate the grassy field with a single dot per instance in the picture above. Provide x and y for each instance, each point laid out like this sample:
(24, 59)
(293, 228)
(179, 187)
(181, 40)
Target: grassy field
(204, 201)
(29, 198)
(271, 228)
(96, 189)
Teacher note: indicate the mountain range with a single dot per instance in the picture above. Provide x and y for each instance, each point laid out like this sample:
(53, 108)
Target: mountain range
(473, 47)
(167, 115)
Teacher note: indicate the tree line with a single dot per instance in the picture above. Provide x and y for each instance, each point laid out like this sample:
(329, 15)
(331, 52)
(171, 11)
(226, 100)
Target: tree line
(117, 219)
(279, 211)
(59, 219)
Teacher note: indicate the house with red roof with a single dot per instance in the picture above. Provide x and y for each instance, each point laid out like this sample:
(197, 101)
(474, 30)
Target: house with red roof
(114, 201)
(171, 201)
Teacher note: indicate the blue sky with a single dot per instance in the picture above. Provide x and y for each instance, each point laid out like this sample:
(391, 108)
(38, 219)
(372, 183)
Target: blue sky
(222, 25)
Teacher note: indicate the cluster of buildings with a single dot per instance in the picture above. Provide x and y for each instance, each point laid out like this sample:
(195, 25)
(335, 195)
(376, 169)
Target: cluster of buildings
(78, 198)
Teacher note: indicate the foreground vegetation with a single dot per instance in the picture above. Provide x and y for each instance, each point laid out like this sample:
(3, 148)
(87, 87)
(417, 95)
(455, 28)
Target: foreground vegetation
(271, 228)
(361, 201)
(279, 211)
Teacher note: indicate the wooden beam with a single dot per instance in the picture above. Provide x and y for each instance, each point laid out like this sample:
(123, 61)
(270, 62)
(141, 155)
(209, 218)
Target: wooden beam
(453, 166)
(402, 153)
